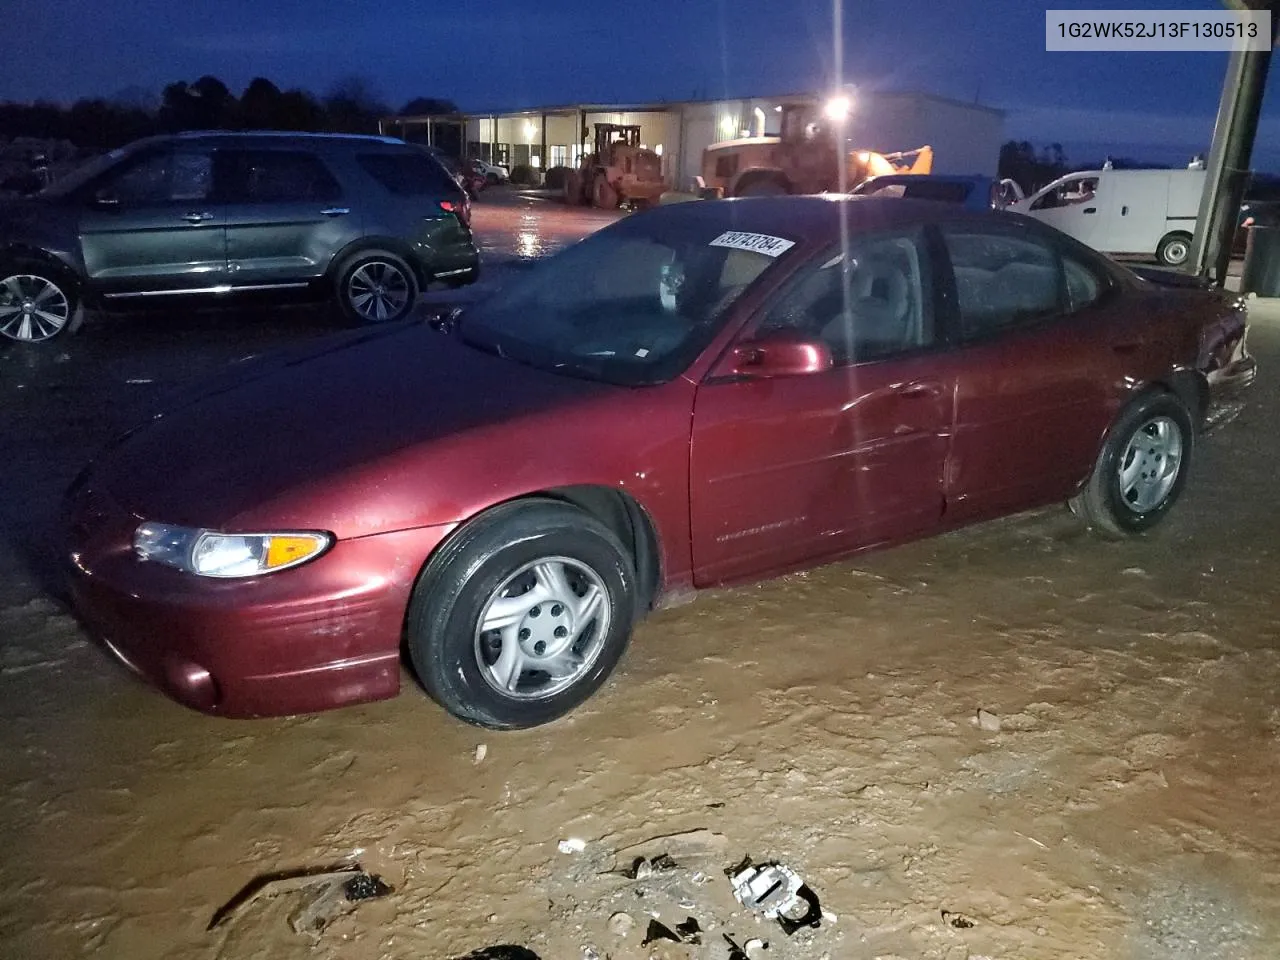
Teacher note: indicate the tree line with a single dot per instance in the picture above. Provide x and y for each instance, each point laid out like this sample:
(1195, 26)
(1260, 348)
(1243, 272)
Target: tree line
(100, 124)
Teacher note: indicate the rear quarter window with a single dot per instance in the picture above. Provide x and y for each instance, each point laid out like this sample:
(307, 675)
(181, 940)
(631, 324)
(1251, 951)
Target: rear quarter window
(408, 174)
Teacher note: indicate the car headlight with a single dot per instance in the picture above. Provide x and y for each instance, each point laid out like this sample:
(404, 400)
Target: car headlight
(209, 553)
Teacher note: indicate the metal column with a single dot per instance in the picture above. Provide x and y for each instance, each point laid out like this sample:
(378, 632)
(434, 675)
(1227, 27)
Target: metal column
(1227, 170)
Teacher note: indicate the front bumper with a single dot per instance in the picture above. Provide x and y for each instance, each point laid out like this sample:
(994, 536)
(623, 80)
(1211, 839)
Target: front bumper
(1228, 379)
(323, 635)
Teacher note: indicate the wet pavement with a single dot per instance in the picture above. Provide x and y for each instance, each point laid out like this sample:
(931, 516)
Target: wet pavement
(1116, 800)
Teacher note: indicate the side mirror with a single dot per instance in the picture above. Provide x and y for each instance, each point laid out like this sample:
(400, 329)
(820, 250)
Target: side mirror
(780, 354)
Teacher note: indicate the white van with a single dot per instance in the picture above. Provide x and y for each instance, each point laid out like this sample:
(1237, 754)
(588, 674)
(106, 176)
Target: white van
(1137, 212)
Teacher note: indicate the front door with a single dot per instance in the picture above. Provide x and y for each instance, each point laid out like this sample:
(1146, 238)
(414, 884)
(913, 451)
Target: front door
(1036, 318)
(286, 217)
(154, 225)
(1074, 208)
(789, 470)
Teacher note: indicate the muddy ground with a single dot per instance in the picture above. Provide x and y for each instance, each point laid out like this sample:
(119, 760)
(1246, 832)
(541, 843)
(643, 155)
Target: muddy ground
(1124, 808)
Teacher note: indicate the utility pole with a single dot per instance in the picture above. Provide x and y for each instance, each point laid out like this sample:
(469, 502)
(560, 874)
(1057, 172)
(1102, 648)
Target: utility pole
(1227, 170)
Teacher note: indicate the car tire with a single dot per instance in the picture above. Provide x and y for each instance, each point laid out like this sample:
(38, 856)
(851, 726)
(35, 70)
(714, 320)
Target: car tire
(363, 275)
(46, 290)
(603, 196)
(573, 189)
(1174, 249)
(1141, 470)
(514, 546)
(491, 179)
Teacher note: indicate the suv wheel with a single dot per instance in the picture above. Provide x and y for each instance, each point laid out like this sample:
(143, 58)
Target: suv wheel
(35, 305)
(377, 287)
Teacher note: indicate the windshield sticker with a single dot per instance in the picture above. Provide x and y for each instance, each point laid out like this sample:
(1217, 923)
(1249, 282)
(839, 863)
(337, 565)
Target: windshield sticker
(754, 242)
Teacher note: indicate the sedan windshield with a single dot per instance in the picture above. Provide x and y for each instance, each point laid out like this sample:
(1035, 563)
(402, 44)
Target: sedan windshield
(632, 304)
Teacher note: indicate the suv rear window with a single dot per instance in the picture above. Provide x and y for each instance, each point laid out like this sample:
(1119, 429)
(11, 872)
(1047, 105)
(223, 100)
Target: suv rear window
(408, 174)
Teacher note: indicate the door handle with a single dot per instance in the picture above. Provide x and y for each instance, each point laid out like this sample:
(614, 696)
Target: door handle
(1090, 209)
(913, 391)
(1124, 211)
(335, 211)
(197, 217)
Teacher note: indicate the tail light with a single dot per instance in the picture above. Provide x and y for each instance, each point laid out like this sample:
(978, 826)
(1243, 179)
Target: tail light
(460, 209)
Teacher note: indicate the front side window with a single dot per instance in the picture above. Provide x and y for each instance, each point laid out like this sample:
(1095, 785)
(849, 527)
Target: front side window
(867, 303)
(632, 304)
(168, 177)
(1003, 279)
(1076, 191)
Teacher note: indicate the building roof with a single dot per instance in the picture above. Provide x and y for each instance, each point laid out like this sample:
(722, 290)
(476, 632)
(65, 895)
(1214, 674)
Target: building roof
(664, 105)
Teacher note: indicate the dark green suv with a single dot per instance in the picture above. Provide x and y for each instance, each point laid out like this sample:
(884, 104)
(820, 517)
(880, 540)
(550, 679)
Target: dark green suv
(370, 221)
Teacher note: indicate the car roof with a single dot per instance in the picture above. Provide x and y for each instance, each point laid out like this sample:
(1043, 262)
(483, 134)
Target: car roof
(283, 135)
(817, 218)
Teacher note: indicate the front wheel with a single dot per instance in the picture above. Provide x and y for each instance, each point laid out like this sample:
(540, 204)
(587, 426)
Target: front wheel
(36, 305)
(523, 615)
(1141, 470)
(1174, 249)
(377, 287)
(603, 195)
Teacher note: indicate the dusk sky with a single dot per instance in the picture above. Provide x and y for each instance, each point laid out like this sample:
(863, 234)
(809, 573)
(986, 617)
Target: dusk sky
(487, 54)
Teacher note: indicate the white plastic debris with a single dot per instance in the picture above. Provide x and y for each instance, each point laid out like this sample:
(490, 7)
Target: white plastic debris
(482, 751)
(573, 845)
(770, 890)
(988, 721)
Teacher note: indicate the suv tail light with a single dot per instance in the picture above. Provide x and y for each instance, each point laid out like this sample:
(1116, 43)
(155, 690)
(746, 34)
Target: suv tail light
(460, 210)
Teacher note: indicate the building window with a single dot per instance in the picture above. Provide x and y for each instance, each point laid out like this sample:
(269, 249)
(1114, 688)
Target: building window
(503, 157)
(559, 156)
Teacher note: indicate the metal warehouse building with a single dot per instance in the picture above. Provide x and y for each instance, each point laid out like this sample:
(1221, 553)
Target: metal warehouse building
(965, 137)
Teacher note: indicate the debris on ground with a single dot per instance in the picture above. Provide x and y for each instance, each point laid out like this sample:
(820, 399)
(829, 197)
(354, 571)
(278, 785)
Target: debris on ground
(324, 895)
(621, 924)
(503, 952)
(642, 868)
(689, 931)
(957, 920)
(988, 721)
(777, 892)
(481, 752)
(659, 931)
(572, 845)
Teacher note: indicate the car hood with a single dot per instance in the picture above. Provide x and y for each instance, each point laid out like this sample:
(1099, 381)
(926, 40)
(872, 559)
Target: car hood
(318, 436)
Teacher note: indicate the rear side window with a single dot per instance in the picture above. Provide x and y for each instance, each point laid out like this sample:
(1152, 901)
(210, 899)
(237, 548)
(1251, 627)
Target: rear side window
(1002, 279)
(281, 176)
(408, 174)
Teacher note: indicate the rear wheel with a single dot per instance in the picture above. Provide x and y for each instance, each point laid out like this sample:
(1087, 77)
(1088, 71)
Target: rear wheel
(36, 303)
(1142, 468)
(1174, 249)
(603, 196)
(523, 615)
(377, 287)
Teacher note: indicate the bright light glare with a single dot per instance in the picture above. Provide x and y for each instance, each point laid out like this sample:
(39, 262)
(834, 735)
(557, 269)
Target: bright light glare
(838, 108)
(728, 125)
(529, 130)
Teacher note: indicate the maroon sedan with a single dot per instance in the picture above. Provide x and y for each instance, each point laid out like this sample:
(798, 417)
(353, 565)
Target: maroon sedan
(698, 395)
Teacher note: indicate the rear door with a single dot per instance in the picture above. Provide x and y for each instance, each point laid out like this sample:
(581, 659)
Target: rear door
(788, 470)
(1044, 352)
(155, 224)
(287, 216)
